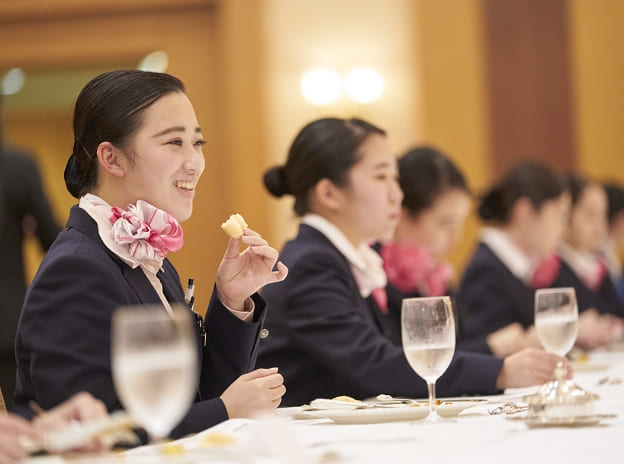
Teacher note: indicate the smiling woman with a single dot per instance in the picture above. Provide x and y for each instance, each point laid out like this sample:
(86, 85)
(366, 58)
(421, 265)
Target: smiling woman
(135, 164)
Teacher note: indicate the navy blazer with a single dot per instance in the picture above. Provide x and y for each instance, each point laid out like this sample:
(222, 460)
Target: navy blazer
(63, 341)
(491, 297)
(327, 340)
(605, 300)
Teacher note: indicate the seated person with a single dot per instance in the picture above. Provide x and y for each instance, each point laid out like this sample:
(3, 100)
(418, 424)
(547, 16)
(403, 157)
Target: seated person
(135, 164)
(582, 264)
(614, 244)
(436, 201)
(326, 328)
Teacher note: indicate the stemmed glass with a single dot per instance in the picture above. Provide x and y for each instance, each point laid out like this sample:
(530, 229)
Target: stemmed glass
(556, 324)
(428, 330)
(556, 319)
(155, 366)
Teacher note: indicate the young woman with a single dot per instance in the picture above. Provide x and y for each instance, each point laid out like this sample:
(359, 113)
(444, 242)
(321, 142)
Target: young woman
(583, 267)
(436, 202)
(135, 164)
(326, 331)
(528, 213)
(615, 241)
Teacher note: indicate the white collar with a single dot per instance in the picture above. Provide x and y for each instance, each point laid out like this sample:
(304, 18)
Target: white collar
(366, 264)
(582, 263)
(508, 252)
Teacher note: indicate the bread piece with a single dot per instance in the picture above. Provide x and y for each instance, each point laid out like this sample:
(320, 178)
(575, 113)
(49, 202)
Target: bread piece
(234, 226)
(346, 398)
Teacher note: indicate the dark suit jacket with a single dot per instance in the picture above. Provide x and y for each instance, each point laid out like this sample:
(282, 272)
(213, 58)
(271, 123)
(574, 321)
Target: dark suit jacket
(22, 195)
(327, 340)
(490, 296)
(63, 341)
(605, 300)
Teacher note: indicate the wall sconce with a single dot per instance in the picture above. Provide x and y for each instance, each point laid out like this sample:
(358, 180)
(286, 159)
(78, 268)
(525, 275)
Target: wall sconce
(12, 81)
(157, 61)
(324, 86)
(321, 86)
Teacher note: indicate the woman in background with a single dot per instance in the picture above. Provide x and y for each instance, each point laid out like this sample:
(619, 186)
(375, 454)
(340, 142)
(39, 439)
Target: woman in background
(615, 242)
(436, 202)
(135, 165)
(582, 265)
(326, 328)
(528, 212)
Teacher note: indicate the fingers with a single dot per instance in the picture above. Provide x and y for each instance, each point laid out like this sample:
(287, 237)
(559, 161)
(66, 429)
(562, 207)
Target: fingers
(281, 273)
(258, 373)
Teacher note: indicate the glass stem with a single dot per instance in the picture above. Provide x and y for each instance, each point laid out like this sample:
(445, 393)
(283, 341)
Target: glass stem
(432, 394)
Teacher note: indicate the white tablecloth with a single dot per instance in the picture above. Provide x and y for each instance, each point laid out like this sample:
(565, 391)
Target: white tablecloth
(473, 436)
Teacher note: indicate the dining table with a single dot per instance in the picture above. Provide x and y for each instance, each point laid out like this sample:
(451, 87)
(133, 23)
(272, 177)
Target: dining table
(474, 430)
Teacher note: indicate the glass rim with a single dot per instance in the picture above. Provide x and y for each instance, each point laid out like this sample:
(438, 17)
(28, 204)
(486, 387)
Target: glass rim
(555, 290)
(426, 298)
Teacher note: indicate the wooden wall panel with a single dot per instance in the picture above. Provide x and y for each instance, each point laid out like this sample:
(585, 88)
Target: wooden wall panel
(529, 82)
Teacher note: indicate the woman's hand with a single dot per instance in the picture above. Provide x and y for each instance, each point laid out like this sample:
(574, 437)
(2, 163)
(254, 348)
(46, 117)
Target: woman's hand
(240, 275)
(596, 330)
(82, 407)
(531, 366)
(254, 393)
(12, 428)
(507, 340)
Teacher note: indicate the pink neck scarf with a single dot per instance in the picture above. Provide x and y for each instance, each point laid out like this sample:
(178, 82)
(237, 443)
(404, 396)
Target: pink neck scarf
(411, 269)
(140, 236)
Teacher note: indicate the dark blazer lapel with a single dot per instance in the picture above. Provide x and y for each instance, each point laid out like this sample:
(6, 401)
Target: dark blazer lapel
(80, 220)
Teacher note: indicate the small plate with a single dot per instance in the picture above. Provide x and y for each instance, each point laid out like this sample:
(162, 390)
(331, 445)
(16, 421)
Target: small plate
(572, 421)
(373, 415)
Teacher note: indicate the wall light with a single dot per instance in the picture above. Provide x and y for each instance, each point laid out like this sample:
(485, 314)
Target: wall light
(157, 61)
(321, 86)
(12, 81)
(364, 85)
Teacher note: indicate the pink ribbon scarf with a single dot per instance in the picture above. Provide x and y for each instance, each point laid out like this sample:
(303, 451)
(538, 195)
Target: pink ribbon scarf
(147, 231)
(140, 236)
(411, 269)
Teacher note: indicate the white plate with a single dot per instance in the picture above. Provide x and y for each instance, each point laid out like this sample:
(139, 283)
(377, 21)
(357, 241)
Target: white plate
(383, 414)
(589, 366)
(573, 421)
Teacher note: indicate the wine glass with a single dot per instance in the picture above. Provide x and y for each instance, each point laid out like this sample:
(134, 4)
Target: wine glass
(556, 319)
(155, 365)
(428, 331)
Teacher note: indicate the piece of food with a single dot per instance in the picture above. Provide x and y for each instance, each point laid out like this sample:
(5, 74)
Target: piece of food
(346, 398)
(234, 226)
(218, 439)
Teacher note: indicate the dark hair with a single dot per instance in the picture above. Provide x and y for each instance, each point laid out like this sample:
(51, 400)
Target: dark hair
(424, 174)
(615, 196)
(323, 149)
(576, 184)
(109, 109)
(529, 180)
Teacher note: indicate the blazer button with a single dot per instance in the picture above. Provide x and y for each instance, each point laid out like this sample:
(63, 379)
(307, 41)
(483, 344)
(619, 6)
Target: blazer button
(264, 333)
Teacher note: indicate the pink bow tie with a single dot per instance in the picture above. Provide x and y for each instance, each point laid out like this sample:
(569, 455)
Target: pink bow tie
(148, 232)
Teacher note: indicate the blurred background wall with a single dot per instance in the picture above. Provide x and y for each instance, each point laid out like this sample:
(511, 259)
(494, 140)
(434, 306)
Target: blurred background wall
(488, 81)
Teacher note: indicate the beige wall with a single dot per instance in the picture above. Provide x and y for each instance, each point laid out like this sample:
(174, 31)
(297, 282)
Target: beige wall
(598, 78)
(340, 35)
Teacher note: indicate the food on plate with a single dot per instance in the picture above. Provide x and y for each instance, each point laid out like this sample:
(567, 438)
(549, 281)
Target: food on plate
(234, 226)
(346, 398)
(218, 439)
(173, 449)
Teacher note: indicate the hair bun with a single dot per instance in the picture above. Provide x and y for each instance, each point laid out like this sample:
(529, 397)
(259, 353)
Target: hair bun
(490, 207)
(275, 181)
(72, 176)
